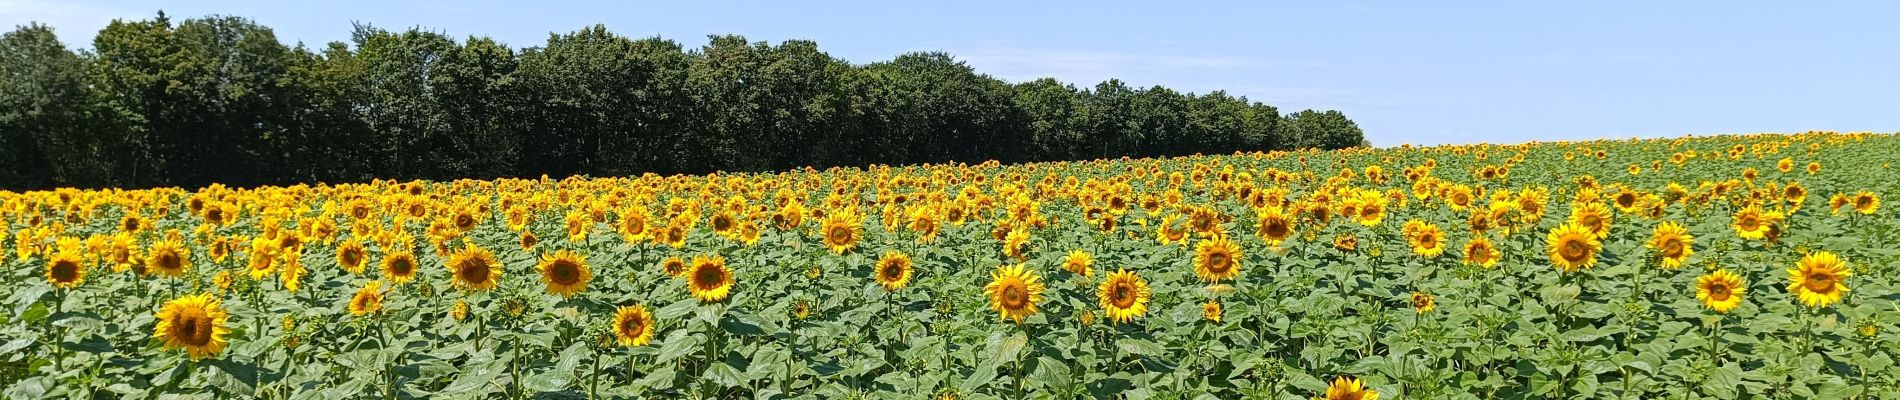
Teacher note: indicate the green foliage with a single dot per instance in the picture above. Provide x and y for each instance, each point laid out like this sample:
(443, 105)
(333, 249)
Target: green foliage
(220, 100)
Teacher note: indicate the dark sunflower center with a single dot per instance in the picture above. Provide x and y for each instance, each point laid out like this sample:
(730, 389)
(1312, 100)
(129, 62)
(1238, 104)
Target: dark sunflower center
(707, 277)
(474, 271)
(893, 271)
(1015, 296)
(1672, 248)
(169, 261)
(464, 221)
(65, 271)
(1719, 291)
(1573, 250)
(564, 272)
(402, 267)
(194, 330)
(839, 235)
(1820, 282)
(1122, 295)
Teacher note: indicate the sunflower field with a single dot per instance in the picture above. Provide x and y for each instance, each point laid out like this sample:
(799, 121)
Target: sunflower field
(1734, 266)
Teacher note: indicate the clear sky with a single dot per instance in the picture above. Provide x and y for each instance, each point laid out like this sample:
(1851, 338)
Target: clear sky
(1408, 72)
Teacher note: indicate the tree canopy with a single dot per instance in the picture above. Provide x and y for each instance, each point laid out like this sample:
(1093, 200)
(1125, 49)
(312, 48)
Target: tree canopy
(220, 99)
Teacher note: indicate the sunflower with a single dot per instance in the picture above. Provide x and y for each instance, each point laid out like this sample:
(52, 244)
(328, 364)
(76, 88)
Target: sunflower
(1171, 230)
(1016, 244)
(1720, 290)
(1275, 226)
(1866, 202)
(578, 223)
(674, 266)
(1593, 216)
(168, 258)
(1123, 295)
(1427, 241)
(1078, 262)
(1480, 252)
(1672, 241)
(1572, 247)
(459, 312)
(708, 279)
(1349, 388)
(400, 266)
(1014, 292)
(351, 256)
(633, 224)
(841, 231)
(565, 272)
(195, 323)
(1819, 279)
(1211, 311)
(1750, 223)
(65, 269)
(1423, 302)
(474, 268)
(1216, 259)
(368, 300)
(893, 270)
(633, 325)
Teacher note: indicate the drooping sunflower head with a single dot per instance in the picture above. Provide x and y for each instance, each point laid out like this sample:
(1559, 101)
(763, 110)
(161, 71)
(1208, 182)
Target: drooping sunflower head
(195, 323)
(708, 279)
(1572, 247)
(1078, 262)
(893, 270)
(399, 266)
(1016, 244)
(674, 266)
(633, 325)
(1720, 290)
(168, 258)
(1123, 296)
(1013, 292)
(474, 268)
(1423, 302)
(1819, 279)
(368, 299)
(565, 272)
(1216, 259)
(1672, 242)
(1349, 388)
(1480, 252)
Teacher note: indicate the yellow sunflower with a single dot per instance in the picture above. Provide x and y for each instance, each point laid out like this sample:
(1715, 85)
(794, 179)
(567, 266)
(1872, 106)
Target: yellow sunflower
(893, 270)
(1593, 216)
(368, 299)
(1349, 388)
(1750, 223)
(1819, 279)
(351, 256)
(1016, 244)
(633, 325)
(1211, 311)
(1014, 292)
(1720, 290)
(1423, 302)
(168, 258)
(399, 267)
(674, 266)
(708, 279)
(1217, 259)
(1672, 241)
(1866, 202)
(565, 272)
(1275, 225)
(1427, 241)
(65, 269)
(841, 230)
(1123, 295)
(1078, 262)
(195, 323)
(1572, 247)
(1480, 252)
(474, 268)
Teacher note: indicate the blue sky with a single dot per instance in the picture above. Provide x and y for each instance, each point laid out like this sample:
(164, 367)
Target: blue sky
(1408, 72)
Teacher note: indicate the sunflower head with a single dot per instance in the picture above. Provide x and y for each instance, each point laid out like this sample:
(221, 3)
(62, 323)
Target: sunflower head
(1720, 290)
(399, 266)
(1013, 292)
(1672, 243)
(1275, 226)
(475, 269)
(66, 270)
(1480, 252)
(1217, 259)
(1123, 296)
(1078, 262)
(195, 323)
(841, 231)
(1423, 302)
(708, 279)
(1572, 247)
(1349, 388)
(1866, 202)
(1211, 311)
(351, 256)
(633, 325)
(674, 266)
(1819, 279)
(1427, 241)
(893, 270)
(565, 272)
(368, 299)
(1751, 222)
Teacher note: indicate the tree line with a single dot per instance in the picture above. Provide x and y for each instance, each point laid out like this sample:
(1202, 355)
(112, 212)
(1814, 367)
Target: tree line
(219, 99)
